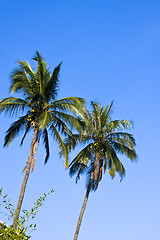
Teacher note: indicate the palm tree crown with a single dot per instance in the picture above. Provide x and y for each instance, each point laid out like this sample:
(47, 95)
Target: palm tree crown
(41, 110)
(40, 105)
(104, 138)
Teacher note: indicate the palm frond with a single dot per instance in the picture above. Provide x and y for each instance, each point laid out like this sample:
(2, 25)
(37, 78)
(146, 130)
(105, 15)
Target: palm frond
(27, 128)
(83, 156)
(61, 126)
(44, 119)
(15, 128)
(90, 182)
(37, 57)
(13, 105)
(79, 168)
(72, 104)
(74, 122)
(26, 68)
(126, 124)
(72, 141)
(96, 114)
(41, 71)
(117, 136)
(106, 115)
(110, 110)
(20, 81)
(46, 143)
(52, 86)
(117, 125)
(122, 149)
(63, 149)
(80, 163)
(114, 164)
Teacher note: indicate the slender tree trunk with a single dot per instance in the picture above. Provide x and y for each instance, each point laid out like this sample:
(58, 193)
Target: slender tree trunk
(83, 208)
(24, 184)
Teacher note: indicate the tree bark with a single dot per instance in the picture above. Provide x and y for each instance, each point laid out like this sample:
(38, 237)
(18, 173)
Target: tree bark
(83, 208)
(24, 184)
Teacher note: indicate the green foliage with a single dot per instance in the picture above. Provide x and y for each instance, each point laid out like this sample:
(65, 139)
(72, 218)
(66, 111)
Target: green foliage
(25, 225)
(40, 107)
(104, 140)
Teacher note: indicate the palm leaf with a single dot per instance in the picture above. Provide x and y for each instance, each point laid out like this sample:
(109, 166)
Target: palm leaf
(26, 67)
(27, 128)
(52, 86)
(117, 136)
(80, 163)
(61, 126)
(20, 82)
(13, 105)
(15, 128)
(122, 149)
(63, 149)
(72, 104)
(74, 122)
(46, 144)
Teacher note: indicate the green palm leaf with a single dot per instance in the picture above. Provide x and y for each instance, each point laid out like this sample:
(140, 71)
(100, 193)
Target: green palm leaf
(63, 149)
(52, 86)
(13, 105)
(46, 144)
(14, 130)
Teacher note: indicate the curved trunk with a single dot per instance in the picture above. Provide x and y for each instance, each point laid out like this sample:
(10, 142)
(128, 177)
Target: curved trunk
(83, 208)
(30, 161)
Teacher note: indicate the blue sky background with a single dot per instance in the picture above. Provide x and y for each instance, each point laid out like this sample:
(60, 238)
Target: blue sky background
(110, 50)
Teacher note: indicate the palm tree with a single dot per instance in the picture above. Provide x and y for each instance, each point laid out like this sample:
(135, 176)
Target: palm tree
(103, 139)
(41, 112)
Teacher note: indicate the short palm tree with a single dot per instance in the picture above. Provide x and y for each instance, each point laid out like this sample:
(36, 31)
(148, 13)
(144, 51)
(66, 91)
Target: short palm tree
(41, 112)
(103, 139)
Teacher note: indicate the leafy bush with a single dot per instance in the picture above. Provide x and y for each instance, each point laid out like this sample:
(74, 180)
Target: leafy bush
(23, 231)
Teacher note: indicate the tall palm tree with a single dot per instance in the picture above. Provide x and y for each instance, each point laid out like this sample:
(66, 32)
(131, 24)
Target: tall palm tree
(41, 112)
(103, 139)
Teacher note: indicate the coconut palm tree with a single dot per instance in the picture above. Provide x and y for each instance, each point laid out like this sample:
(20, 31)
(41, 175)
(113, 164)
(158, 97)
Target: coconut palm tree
(40, 111)
(104, 140)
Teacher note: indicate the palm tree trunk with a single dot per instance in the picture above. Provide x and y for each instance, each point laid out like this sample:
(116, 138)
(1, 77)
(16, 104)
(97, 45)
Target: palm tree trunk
(24, 184)
(83, 208)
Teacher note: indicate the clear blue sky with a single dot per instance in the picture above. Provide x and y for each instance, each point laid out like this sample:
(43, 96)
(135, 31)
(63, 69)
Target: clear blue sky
(110, 50)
